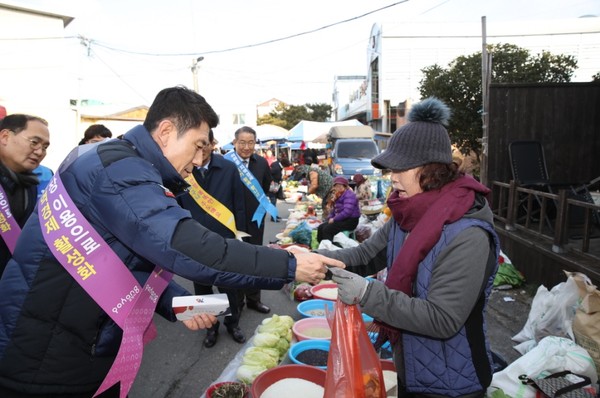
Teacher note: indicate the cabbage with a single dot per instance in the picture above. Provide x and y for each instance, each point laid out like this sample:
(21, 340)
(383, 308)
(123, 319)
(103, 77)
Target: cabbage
(257, 358)
(266, 339)
(283, 345)
(266, 351)
(279, 325)
(287, 320)
(247, 373)
(289, 335)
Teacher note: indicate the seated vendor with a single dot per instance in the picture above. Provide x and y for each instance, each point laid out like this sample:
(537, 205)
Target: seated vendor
(362, 188)
(344, 211)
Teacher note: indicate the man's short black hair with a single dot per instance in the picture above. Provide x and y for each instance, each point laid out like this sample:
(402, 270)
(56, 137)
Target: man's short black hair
(184, 107)
(17, 122)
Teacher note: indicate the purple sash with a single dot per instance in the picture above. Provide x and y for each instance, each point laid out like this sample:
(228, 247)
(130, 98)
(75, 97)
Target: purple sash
(9, 229)
(102, 274)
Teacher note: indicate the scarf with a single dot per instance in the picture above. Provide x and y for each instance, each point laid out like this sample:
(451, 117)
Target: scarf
(423, 216)
(16, 186)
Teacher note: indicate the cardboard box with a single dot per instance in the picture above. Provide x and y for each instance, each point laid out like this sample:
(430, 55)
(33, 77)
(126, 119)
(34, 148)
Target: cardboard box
(185, 307)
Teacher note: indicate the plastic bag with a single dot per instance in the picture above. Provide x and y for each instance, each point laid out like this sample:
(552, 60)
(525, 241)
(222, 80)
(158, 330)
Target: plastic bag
(344, 241)
(353, 367)
(362, 232)
(551, 314)
(301, 234)
(586, 324)
(507, 274)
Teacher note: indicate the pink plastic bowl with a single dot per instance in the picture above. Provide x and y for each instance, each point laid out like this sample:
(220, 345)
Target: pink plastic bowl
(301, 327)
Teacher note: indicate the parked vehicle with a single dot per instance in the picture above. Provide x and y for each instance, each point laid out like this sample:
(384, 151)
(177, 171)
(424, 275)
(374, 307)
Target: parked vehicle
(353, 147)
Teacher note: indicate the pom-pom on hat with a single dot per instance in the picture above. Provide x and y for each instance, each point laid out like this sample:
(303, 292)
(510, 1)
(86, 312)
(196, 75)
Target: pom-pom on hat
(340, 180)
(421, 141)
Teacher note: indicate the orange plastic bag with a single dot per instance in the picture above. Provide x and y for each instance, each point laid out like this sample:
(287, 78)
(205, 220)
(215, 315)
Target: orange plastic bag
(353, 367)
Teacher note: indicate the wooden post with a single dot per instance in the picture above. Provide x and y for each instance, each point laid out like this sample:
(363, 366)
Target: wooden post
(560, 227)
(511, 213)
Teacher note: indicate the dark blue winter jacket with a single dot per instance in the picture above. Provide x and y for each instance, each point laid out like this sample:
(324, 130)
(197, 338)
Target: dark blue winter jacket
(54, 339)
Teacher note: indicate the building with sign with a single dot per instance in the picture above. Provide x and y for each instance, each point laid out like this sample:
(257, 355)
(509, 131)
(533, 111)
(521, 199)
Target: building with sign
(396, 55)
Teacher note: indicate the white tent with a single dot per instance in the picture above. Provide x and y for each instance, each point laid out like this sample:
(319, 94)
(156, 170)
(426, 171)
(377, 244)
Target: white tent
(307, 130)
(267, 132)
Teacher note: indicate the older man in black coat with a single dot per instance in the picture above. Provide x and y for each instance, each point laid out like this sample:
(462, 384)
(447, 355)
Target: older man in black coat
(244, 143)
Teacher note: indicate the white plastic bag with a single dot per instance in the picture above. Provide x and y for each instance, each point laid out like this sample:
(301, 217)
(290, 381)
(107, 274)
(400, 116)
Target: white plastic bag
(344, 241)
(327, 245)
(551, 314)
(551, 355)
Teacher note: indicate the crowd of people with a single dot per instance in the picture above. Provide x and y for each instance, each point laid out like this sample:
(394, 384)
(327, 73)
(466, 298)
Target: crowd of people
(83, 274)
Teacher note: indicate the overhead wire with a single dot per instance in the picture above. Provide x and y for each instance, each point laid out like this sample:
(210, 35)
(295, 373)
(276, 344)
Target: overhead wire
(255, 44)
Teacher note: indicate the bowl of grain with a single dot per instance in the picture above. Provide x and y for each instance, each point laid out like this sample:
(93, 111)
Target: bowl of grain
(290, 381)
(312, 328)
(325, 291)
(314, 308)
(310, 352)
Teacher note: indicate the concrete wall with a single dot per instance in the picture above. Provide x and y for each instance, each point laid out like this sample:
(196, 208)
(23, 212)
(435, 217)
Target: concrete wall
(34, 77)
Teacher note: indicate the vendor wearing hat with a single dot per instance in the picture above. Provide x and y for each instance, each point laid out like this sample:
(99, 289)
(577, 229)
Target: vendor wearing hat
(362, 188)
(441, 261)
(344, 211)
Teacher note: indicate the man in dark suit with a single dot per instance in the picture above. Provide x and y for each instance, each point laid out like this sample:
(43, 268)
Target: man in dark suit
(244, 143)
(24, 140)
(221, 180)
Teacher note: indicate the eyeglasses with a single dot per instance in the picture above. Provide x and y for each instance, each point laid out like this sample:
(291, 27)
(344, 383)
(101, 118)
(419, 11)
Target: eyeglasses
(34, 143)
(246, 144)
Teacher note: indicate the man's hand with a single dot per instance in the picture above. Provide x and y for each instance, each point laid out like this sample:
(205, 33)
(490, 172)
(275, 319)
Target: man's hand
(311, 267)
(202, 321)
(351, 287)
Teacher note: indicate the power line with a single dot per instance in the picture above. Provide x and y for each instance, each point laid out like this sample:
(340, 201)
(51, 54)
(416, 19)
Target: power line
(256, 44)
(118, 76)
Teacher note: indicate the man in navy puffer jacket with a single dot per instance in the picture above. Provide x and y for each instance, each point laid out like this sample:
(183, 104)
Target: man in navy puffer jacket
(55, 340)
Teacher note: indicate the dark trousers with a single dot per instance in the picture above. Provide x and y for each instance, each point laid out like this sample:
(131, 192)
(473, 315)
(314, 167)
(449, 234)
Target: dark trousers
(273, 199)
(328, 231)
(256, 238)
(232, 320)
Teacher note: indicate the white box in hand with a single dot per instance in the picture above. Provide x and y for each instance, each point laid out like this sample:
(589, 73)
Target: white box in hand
(185, 307)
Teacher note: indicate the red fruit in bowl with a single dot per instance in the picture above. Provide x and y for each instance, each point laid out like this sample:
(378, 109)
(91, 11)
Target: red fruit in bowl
(302, 292)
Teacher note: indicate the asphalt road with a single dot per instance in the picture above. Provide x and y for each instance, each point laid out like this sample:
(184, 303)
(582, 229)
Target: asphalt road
(177, 365)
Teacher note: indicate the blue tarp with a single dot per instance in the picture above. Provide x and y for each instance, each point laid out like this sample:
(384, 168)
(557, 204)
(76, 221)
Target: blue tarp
(292, 145)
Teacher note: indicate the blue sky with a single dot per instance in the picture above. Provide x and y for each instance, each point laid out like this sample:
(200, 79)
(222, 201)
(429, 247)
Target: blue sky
(141, 46)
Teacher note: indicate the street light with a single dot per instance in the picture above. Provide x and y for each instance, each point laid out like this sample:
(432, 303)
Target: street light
(195, 68)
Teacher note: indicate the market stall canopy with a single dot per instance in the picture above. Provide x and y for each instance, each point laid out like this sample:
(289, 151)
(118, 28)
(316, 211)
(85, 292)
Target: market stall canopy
(308, 130)
(361, 131)
(297, 145)
(268, 132)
